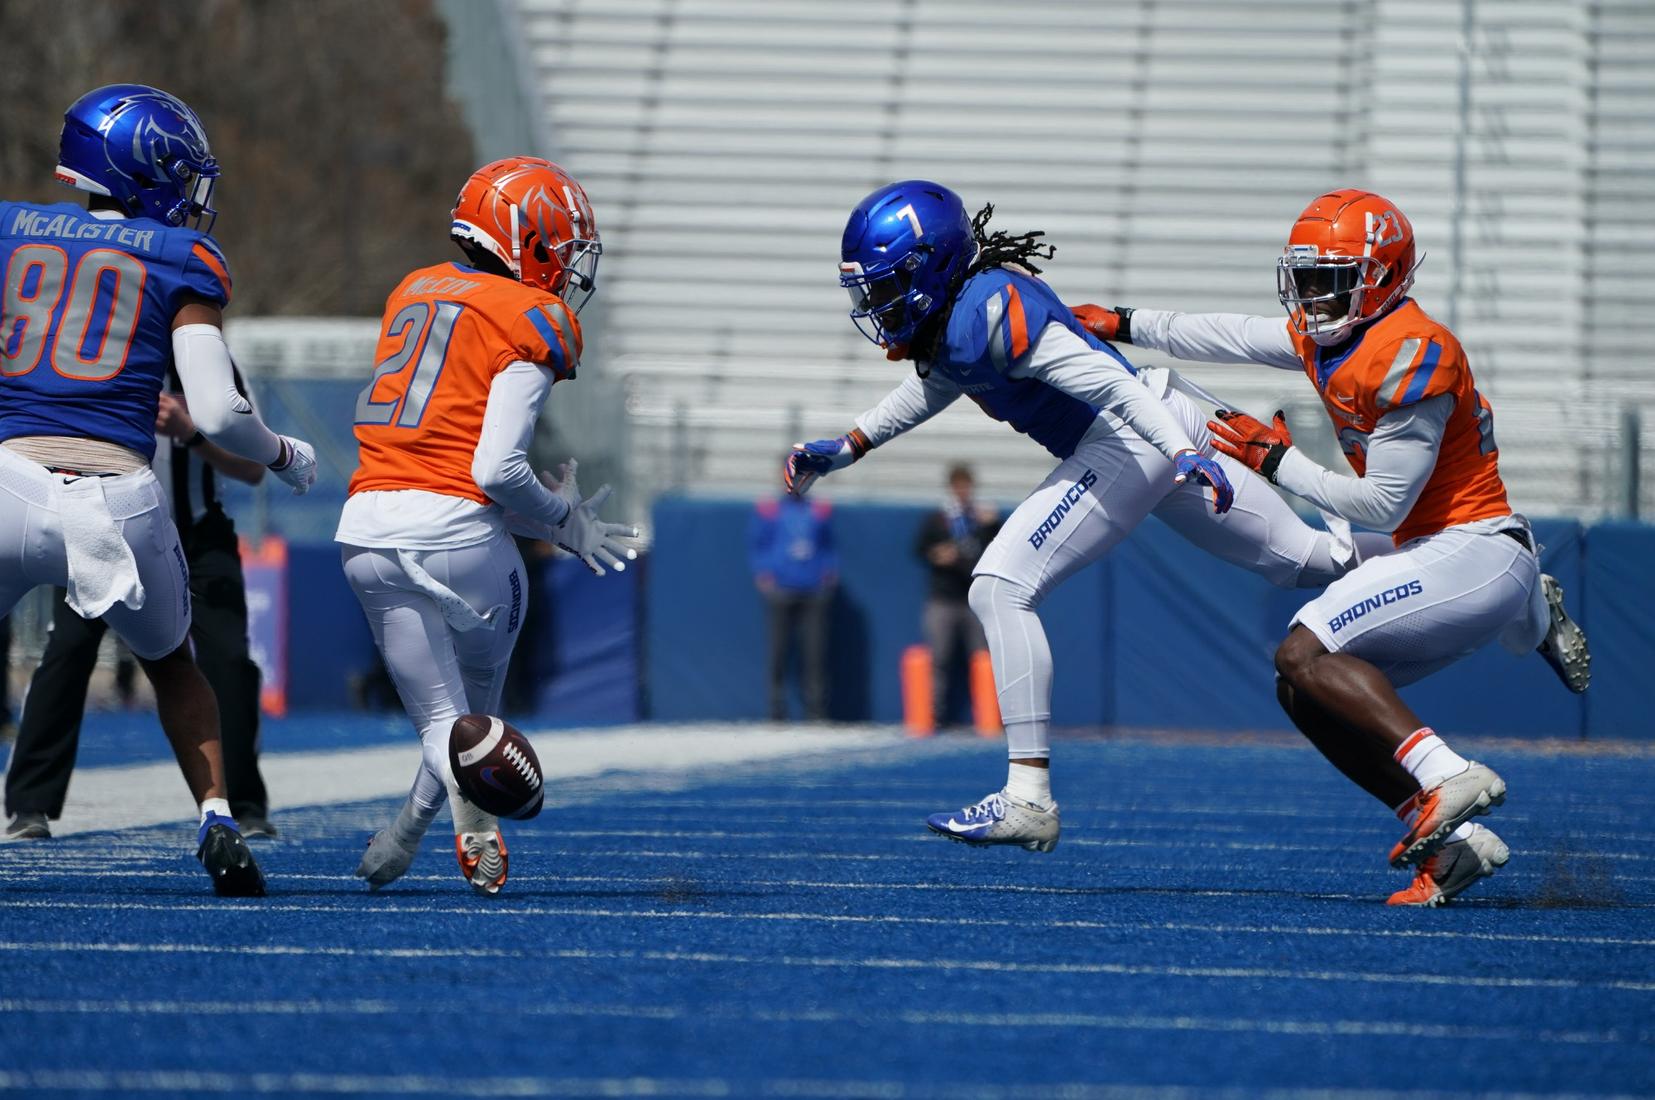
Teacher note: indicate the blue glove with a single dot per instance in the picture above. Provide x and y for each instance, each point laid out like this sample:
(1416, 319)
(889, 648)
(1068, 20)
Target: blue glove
(1191, 464)
(809, 461)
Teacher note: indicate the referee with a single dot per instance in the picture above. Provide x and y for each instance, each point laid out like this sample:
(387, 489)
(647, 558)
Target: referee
(187, 464)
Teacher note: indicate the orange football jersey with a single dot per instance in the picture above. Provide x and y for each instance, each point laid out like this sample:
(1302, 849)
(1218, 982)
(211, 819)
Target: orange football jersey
(448, 330)
(1402, 359)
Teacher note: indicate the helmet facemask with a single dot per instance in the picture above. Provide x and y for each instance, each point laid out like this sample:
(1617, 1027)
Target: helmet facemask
(1323, 295)
(885, 305)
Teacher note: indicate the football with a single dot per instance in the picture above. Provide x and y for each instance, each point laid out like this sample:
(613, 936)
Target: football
(495, 766)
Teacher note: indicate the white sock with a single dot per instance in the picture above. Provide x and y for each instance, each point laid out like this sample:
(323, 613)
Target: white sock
(213, 806)
(1428, 759)
(1029, 783)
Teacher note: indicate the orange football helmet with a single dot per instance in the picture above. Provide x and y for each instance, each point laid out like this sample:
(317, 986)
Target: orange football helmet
(536, 219)
(1349, 258)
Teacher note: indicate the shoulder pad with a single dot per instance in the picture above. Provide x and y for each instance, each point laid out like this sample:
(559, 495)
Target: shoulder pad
(998, 315)
(1416, 366)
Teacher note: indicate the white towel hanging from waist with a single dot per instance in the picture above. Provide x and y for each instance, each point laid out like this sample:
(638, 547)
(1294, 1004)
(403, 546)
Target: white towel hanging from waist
(102, 570)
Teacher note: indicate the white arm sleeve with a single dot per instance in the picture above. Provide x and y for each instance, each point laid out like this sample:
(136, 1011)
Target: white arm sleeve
(911, 404)
(1402, 454)
(1216, 337)
(1065, 361)
(500, 464)
(218, 409)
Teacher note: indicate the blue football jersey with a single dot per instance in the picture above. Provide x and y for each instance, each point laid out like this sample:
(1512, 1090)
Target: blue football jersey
(86, 311)
(996, 321)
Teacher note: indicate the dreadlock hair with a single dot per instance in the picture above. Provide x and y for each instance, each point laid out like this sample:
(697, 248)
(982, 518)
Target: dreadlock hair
(999, 248)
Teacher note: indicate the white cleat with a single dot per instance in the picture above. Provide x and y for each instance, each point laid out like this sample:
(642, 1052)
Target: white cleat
(386, 860)
(483, 860)
(1456, 866)
(1564, 646)
(1001, 819)
(1446, 807)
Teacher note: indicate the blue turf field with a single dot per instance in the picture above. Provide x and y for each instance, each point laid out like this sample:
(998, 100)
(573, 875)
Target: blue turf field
(1212, 918)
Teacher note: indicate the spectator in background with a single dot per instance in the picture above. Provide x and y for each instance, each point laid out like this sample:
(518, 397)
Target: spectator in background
(37, 781)
(950, 541)
(796, 567)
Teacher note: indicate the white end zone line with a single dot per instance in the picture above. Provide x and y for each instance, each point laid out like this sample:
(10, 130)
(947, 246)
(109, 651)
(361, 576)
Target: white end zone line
(142, 795)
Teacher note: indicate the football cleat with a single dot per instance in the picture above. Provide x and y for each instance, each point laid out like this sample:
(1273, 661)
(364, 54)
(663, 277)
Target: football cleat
(1001, 819)
(1446, 807)
(1454, 868)
(483, 860)
(1564, 646)
(386, 859)
(226, 857)
(28, 825)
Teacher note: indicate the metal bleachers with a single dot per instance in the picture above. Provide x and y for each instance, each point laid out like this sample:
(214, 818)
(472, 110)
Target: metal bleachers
(1164, 147)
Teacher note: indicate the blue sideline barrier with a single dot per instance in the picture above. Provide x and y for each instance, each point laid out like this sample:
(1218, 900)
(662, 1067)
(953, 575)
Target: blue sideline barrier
(1157, 634)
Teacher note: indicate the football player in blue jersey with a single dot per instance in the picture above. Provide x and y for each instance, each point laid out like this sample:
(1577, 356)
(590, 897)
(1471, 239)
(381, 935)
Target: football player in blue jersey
(928, 283)
(95, 305)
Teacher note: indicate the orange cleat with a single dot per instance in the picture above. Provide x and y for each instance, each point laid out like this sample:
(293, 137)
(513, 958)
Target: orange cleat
(483, 860)
(1446, 807)
(1454, 868)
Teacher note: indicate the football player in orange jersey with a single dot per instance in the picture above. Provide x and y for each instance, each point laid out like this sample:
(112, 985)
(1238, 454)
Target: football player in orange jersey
(1421, 440)
(467, 355)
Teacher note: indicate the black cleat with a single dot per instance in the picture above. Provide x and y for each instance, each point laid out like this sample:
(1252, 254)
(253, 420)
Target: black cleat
(226, 857)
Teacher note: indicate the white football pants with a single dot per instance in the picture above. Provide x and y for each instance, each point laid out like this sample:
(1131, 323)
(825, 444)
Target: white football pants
(1434, 600)
(441, 671)
(1087, 505)
(32, 549)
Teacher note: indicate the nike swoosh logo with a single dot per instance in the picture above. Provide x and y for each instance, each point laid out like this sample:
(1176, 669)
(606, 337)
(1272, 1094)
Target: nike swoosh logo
(487, 776)
(955, 827)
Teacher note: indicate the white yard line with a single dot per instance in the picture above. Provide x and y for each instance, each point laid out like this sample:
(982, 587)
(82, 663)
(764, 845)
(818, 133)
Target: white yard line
(833, 962)
(1084, 1021)
(501, 908)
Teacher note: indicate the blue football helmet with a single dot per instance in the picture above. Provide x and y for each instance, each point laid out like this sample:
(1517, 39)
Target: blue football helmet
(143, 148)
(906, 248)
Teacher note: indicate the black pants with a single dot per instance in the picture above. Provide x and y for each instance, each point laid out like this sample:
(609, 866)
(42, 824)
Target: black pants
(954, 634)
(800, 616)
(49, 733)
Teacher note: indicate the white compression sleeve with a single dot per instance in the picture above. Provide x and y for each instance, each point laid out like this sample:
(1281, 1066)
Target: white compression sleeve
(1216, 337)
(500, 464)
(1065, 361)
(1402, 453)
(218, 409)
(911, 404)
(1022, 663)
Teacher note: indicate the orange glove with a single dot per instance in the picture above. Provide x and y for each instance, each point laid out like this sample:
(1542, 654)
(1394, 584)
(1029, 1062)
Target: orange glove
(1242, 437)
(1106, 324)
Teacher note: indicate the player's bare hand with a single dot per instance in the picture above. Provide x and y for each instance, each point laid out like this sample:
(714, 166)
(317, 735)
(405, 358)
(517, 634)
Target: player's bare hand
(172, 418)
